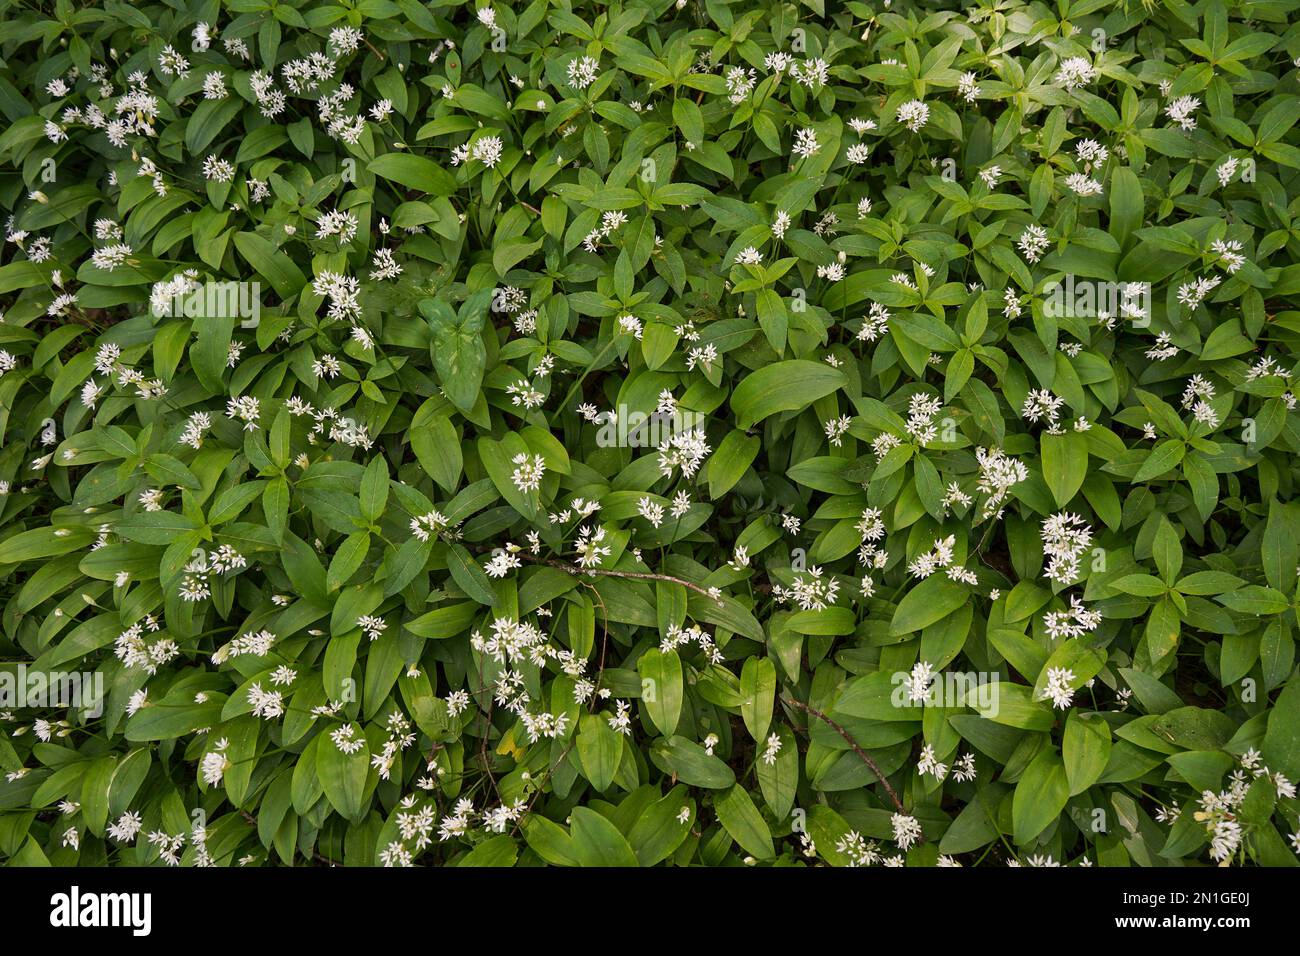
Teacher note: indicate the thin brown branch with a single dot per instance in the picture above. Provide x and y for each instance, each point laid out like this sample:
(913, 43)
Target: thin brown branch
(604, 644)
(636, 575)
(862, 754)
(577, 571)
(487, 730)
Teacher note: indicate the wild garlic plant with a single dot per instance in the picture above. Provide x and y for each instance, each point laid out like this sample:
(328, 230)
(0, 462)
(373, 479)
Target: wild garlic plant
(662, 432)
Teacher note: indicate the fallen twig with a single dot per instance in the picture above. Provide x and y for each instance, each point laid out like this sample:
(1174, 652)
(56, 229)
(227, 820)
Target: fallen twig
(577, 571)
(862, 754)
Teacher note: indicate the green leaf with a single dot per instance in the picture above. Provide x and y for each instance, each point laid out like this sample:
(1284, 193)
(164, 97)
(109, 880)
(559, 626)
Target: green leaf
(689, 762)
(343, 775)
(549, 840)
(597, 842)
(467, 574)
(271, 264)
(1040, 796)
(758, 688)
(736, 812)
(494, 851)
(414, 172)
(930, 601)
(729, 463)
(1162, 458)
(600, 747)
(458, 351)
(1065, 464)
(1085, 750)
(659, 830)
(782, 387)
(1281, 748)
(661, 688)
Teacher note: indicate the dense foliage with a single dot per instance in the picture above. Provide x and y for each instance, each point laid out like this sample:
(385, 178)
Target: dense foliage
(652, 432)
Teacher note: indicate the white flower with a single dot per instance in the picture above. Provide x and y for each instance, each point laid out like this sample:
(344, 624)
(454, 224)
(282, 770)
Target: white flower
(126, 827)
(621, 719)
(1075, 71)
(907, 830)
(582, 72)
(811, 593)
(110, 257)
(1229, 253)
(501, 563)
(1058, 687)
(214, 86)
(266, 704)
(685, 449)
(1181, 110)
(1089, 151)
(913, 114)
(214, 764)
(1082, 185)
(346, 740)
(964, 769)
(1192, 294)
(1033, 242)
(137, 700)
(346, 39)
(836, 428)
(805, 143)
(651, 511)
(812, 73)
(1074, 622)
(1065, 537)
(372, 626)
(928, 764)
(1163, 349)
(487, 150)
(1042, 404)
(246, 408)
(588, 547)
(998, 474)
(859, 851)
(528, 472)
(1226, 170)
(337, 223)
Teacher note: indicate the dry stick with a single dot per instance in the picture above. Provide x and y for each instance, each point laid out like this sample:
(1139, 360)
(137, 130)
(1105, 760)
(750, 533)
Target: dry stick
(638, 575)
(604, 641)
(866, 758)
(487, 731)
